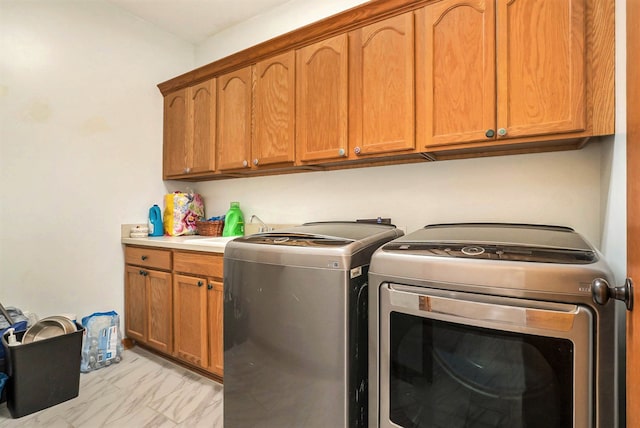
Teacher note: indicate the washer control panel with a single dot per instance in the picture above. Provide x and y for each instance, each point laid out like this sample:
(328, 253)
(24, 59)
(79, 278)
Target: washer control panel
(495, 252)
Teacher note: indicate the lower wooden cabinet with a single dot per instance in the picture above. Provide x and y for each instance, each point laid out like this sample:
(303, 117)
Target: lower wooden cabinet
(215, 301)
(148, 307)
(198, 309)
(190, 319)
(177, 311)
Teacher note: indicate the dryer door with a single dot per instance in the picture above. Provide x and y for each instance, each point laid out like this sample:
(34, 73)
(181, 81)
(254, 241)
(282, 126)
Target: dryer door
(465, 360)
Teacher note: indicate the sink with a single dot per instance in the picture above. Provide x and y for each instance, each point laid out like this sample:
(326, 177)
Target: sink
(213, 241)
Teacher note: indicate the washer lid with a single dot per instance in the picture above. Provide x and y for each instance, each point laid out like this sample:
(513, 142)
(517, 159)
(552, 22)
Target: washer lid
(498, 241)
(324, 234)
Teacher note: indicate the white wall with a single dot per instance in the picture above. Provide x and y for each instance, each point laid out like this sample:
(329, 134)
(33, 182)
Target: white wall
(557, 188)
(614, 164)
(287, 17)
(80, 147)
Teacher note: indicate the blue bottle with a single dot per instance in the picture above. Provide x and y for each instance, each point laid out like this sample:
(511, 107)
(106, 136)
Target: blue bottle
(155, 221)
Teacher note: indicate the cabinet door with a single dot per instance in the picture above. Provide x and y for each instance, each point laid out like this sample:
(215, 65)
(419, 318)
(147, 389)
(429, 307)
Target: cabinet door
(160, 311)
(274, 104)
(135, 303)
(322, 100)
(190, 319)
(234, 119)
(541, 67)
(176, 129)
(216, 332)
(382, 103)
(455, 82)
(202, 100)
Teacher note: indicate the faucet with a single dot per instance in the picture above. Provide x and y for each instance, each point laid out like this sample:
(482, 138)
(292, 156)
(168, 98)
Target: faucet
(263, 227)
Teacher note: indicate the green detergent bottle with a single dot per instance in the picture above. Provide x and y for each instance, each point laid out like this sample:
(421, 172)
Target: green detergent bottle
(233, 221)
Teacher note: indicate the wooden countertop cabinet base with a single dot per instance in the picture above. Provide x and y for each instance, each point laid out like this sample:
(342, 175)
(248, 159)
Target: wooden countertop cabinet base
(177, 311)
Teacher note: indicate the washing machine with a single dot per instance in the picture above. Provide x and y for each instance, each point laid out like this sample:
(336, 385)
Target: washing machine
(295, 325)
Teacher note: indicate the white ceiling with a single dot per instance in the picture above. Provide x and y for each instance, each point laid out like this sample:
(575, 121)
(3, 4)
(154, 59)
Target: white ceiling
(196, 20)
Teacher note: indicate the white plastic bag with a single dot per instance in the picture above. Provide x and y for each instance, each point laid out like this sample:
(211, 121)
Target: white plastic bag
(102, 341)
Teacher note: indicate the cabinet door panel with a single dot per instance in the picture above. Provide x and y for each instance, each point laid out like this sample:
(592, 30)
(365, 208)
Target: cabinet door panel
(202, 100)
(382, 87)
(234, 119)
(190, 319)
(274, 104)
(160, 311)
(135, 304)
(216, 349)
(322, 100)
(455, 72)
(176, 129)
(541, 66)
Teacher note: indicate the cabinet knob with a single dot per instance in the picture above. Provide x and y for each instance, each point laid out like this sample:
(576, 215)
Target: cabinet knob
(245, 163)
(255, 161)
(200, 283)
(209, 287)
(490, 133)
(187, 170)
(341, 152)
(143, 273)
(502, 132)
(144, 258)
(357, 150)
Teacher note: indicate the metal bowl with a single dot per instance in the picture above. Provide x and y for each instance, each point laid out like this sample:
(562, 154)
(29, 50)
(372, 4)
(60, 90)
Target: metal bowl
(49, 327)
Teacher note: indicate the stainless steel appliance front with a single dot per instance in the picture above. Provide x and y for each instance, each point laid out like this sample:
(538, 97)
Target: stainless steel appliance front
(491, 325)
(459, 360)
(295, 327)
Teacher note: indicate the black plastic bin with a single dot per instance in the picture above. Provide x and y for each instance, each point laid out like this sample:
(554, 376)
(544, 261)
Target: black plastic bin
(42, 373)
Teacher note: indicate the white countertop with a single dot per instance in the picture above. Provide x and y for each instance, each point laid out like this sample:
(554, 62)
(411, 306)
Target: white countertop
(192, 242)
(212, 244)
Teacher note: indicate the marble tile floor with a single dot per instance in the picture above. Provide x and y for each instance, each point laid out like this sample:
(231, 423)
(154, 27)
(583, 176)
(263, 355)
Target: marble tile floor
(143, 390)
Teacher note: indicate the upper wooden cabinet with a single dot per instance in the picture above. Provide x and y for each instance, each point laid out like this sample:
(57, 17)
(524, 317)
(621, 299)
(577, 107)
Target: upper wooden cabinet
(274, 106)
(203, 127)
(533, 49)
(455, 71)
(176, 124)
(256, 115)
(189, 130)
(234, 120)
(381, 87)
(322, 85)
(394, 81)
(541, 67)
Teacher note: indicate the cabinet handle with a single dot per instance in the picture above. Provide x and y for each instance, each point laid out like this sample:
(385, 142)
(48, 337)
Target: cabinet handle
(502, 132)
(245, 163)
(144, 258)
(357, 150)
(187, 170)
(209, 287)
(143, 273)
(490, 133)
(341, 152)
(200, 283)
